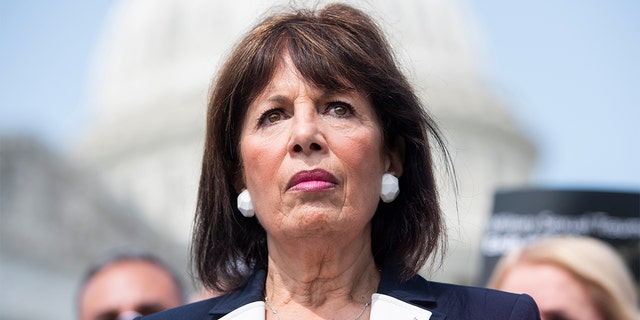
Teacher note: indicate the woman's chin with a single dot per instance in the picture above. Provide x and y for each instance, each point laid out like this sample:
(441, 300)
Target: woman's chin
(315, 219)
(320, 224)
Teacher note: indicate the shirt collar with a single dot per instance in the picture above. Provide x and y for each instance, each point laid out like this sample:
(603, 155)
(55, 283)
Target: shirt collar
(415, 290)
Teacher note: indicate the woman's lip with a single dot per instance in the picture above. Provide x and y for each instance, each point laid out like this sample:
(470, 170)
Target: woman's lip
(312, 180)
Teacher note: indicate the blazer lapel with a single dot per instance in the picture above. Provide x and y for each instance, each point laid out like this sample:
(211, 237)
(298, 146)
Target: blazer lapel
(383, 307)
(415, 292)
(244, 304)
(251, 311)
(386, 307)
(410, 300)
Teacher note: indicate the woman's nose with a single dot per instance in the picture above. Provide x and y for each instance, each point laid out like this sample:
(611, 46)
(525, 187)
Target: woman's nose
(306, 134)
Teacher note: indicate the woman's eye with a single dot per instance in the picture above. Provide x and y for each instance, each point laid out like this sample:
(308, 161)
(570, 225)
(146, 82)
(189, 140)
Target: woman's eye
(273, 117)
(340, 109)
(270, 117)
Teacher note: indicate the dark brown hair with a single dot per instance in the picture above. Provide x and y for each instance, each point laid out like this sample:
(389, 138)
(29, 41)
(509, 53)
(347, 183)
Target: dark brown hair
(337, 48)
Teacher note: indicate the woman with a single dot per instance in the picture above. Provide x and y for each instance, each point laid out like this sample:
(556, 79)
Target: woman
(317, 134)
(570, 278)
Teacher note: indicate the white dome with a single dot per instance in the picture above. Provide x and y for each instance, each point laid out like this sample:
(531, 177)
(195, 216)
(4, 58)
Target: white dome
(162, 48)
(158, 57)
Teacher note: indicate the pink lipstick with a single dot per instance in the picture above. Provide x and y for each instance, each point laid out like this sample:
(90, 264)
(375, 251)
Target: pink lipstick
(313, 180)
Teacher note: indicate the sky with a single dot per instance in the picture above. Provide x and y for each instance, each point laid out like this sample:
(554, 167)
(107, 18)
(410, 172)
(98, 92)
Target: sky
(568, 69)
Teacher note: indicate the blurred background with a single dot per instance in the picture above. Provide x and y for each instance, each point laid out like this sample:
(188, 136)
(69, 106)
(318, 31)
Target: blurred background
(103, 103)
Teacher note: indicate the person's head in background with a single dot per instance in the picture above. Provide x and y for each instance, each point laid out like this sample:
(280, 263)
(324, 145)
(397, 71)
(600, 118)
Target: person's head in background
(127, 285)
(570, 278)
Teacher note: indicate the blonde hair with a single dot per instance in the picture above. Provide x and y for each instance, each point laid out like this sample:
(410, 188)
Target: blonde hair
(591, 261)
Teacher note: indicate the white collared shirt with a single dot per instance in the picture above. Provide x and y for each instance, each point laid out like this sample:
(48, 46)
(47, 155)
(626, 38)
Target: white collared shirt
(383, 307)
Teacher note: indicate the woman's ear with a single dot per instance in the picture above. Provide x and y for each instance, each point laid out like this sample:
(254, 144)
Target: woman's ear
(396, 157)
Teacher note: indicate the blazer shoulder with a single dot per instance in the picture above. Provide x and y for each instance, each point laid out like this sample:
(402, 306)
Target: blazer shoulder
(525, 308)
(217, 307)
(482, 303)
(193, 311)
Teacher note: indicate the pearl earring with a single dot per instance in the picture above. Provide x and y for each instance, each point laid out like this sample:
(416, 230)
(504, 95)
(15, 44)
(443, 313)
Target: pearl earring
(245, 205)
(390, 188)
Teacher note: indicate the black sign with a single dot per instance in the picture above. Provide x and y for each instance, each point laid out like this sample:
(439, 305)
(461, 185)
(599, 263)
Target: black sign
(522, 216)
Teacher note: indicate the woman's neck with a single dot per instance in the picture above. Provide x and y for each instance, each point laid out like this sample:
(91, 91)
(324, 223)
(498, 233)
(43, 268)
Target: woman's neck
(316, 274)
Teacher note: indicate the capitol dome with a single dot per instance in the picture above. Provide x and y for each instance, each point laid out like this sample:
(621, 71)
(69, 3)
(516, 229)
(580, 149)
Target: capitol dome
(158, 57)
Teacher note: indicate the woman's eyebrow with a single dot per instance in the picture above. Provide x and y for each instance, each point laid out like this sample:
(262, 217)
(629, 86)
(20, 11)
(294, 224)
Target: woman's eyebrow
(324, 95)
(278, 98)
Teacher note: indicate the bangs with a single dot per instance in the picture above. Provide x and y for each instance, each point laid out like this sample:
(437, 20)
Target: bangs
(321, 62)
(324, 51)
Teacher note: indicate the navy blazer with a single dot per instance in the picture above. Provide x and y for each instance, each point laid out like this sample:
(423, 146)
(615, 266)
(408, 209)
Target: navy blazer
(437, 300)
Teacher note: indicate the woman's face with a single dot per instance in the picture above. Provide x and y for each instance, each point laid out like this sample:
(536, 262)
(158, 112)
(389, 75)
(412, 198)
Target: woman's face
(312, 159)
(559, 294)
